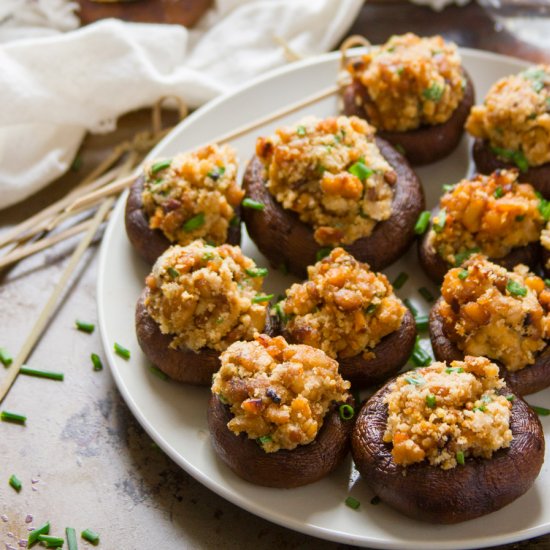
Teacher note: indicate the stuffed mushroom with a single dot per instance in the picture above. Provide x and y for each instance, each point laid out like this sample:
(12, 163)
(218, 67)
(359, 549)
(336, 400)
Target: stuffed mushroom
(512, 127)
(494, 215)
(197, 301)
(191, 196)
(504, 315)
(280, 415)
(352, 314)
(448, 443)
(327, 183)
(414, 91)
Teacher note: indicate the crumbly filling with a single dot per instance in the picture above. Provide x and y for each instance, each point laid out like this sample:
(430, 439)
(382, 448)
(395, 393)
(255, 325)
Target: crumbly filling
(343, 308)
(545, 241)
(515, 117)
(279, 394)
(332, 174)
(496, 313)
(492, 214)
(445, 414)
(411, 82)
(206, 296)
(193, 195)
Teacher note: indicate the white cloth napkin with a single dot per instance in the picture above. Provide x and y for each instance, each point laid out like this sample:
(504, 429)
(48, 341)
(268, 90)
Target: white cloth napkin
(55, 88)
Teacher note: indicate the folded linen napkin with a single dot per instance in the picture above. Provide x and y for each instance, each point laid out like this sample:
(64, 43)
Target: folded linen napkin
(55, 88)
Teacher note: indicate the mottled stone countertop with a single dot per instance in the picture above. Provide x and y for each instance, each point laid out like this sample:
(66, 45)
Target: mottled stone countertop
(83, 459)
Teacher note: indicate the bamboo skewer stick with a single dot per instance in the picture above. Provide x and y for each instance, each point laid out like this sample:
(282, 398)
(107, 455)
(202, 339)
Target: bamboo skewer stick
(41, 322)
(23, 252)
(119, 185)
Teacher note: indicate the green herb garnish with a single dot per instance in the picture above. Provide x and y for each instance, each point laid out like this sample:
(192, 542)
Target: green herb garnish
(422, 322)
(515, 289)
(426, 294)
(499, 192)
(174, 273)
(412, 309)
(90, 536)
(157, 372)
(33, 535)
(517, 157)
(463, 274)
(96, 361)
(84, 327)
(194, 223)
(346, 412)
(431, 401)
(262, 440)
(235, 221)
(461, 257)
(439, 221)
(301, 131)
(251, 203)
(541, 411)
(352, 503)
(257, 272)
(371, 308)
(544, 207)
(360, 170)
(15, 482)
(5, 357)
(70, 533)
(42, 373)
(121, 351)
(422, 223)
(217, 173)
(51, 542)
(510, 397)
(15, 418)
(415, 381)
(450, 370)
(400, 280)
(160, 165)
(460, 458)
(434, 92)
(322, 253)
(262, 298)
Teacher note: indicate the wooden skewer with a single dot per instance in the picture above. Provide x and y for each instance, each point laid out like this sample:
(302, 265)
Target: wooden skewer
(41, 220)
(41, 322)
(119, 185)
(24, 252)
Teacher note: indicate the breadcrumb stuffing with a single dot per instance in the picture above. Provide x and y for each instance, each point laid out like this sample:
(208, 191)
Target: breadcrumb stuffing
(496, 313)
(343, 308)
(411, 82)
(515, 116)
(279, 394)
(193, 195)
(204, 296)
(332, 174)
(489, 214)
(446, 414)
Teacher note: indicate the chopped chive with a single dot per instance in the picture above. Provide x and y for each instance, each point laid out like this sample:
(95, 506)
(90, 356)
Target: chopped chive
(207, 256)
(375, 500)
(352, 503)
(51, 542)
(510, 397)
(426, 294)
(483, 408)
(360, 170)
(547, 282)
(431, 401)
(400, 280)
(322, 253)
(499, 192)
(76, 164)
(122, 351)
(370, 309)
(517, 157)
(515, 289)
(262, 298)
(346, 412)
(217, 173)
(193, 223)
(235, 221)
(42, 373)
(257, 272)
(96, 361)
(301, 131)
(90, 536)
(440, 220)
(450, 370)
(541, 411)
(5, 357)
(160, 165)
(412, 309)
(15, 418)
(251, 203)
(84, 327)
(33, 535)
(15, 482)
(174, 273)
(460, 458)
(70, 534)
(280, 313)
(447, 187)
(434, 92)
(461, 257)
(264, 439)
(544, 207)
(158, 373)
(420, 358)
(422, 322)
(520, 217)
(422, 222)
(463, 274)
(415, 381)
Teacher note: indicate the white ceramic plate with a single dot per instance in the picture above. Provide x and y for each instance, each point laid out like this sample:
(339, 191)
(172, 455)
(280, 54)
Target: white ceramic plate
(175, 415)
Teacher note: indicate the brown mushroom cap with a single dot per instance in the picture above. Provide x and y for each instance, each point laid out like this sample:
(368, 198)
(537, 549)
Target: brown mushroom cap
(151, 243)
(530, 379)
(284, 239)
(429, 493)
(283, 469)
(182, 365)
(427, 143)
(436, 267)
(391, 353)
(486, 162)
